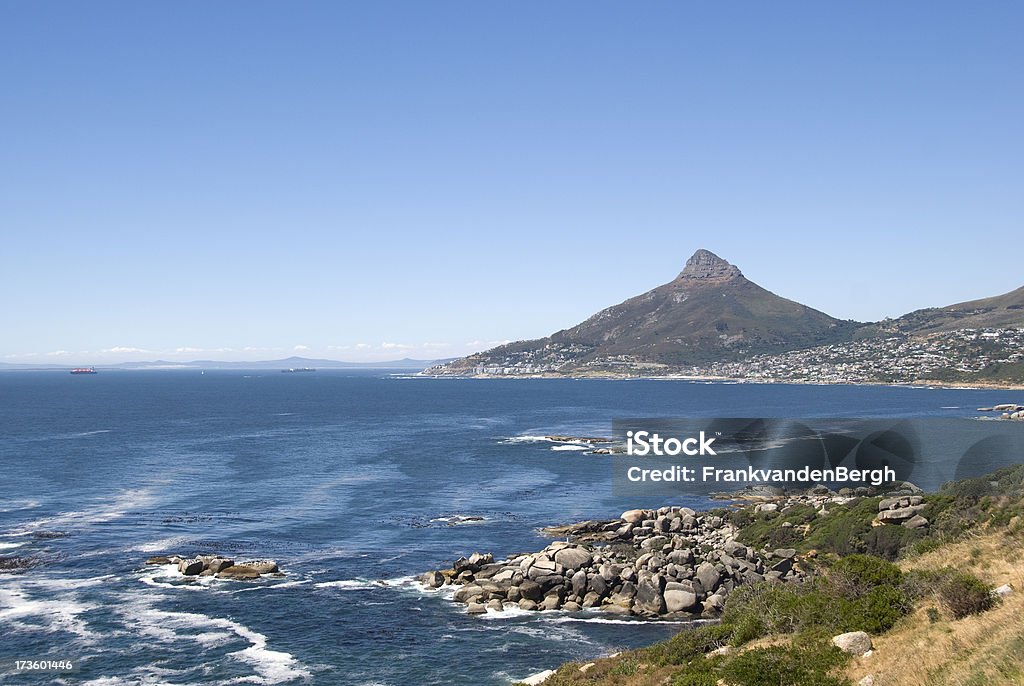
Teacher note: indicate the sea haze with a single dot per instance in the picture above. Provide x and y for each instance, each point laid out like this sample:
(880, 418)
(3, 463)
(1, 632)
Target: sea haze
(354, 481)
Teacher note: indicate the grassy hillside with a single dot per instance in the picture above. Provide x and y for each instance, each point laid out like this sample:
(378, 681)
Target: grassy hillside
(1001, 311)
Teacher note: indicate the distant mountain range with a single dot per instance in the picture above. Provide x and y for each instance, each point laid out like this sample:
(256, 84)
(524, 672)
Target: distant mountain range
(711, 313)
(286, 363)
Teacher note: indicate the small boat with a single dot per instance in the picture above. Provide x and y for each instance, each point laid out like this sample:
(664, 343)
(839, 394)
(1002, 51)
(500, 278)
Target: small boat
(84, 370)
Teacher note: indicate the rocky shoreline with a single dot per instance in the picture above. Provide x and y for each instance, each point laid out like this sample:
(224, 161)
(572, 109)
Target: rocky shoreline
(672, 562)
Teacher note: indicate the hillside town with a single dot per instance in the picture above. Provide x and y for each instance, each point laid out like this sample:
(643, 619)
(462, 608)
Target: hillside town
(962, 355)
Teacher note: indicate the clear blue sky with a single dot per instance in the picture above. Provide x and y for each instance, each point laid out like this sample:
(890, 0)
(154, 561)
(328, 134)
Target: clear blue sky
(373, 180)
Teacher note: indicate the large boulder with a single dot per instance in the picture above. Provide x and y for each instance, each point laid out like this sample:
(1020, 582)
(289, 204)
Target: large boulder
(634, 516)
(551, 602)
(679, 597)
(579, 582)
(262, 566)
(915, 522)
(477, 560)
(853, 642)
(573, 558)
(239, 572)
(542, 566)
(708, 576)
(218, 564)
(468, 592)
(654, 543)
(899, 514)
(648, 595)
(433, 579)
(538, 678)
(192, 567)
(531, 590)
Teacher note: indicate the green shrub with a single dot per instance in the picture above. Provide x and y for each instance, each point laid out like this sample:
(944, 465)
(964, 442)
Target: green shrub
(844, 529)
(807, 665)
(860, 593)
(889, 542)
(691, 643)
(926, 545)
(855, 575)
(878, 610)
(922, 583)
(756, 610)
(933, 615)
(961, 593)
(699, 672)
(969, 488)
(696, 678)
(627, 666)
(964, 594)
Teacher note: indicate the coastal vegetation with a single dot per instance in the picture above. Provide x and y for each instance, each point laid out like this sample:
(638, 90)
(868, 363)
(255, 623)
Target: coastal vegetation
(928, 604)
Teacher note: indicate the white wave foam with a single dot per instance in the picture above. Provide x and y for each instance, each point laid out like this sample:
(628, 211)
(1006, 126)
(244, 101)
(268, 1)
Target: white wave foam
(563, 619)
(168, 576)
(15, 505)
(121, 504)
(271, 666)
(548, 633)
(366, 584)
(459, 519)
(56, 614)
(510, 611)
(273, 586)
(65, 584)
(162, 544)
(8, 546)
(571, 446)
(527, 439)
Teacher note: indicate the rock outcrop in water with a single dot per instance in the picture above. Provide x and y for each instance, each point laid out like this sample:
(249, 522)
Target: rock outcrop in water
(16, 564)
(670, 562)
(1007, 410)
(217, 565)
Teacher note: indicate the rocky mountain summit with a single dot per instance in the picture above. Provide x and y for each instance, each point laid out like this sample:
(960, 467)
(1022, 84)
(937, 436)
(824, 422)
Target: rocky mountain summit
(705, 265)
(710, 311)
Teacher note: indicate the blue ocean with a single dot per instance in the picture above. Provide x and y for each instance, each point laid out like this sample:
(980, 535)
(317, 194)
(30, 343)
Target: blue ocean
(354, 482)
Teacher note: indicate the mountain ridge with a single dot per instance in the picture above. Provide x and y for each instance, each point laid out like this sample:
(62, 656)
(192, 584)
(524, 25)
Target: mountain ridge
(710, 312)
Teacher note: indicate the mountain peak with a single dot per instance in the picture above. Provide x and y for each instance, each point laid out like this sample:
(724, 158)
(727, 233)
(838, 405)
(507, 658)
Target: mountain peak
(705, 264)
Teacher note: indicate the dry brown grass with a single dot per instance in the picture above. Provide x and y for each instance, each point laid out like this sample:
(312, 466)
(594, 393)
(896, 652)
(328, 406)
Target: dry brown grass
(975, 651)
